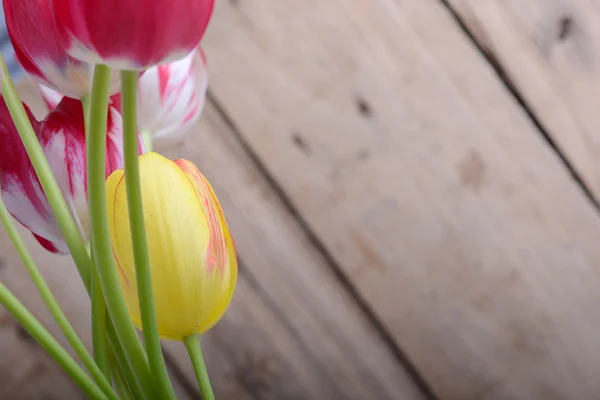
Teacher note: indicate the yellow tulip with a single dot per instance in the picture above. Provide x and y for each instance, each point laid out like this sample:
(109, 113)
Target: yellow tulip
(192, 254)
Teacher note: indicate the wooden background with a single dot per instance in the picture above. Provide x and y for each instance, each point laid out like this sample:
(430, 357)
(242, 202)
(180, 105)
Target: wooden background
(413, 188)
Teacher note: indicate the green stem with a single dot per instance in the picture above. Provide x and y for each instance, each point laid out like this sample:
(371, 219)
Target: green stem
(103, 254)
(119, 380)
(57, 203)
(143, 274)
(99, 339)
(41, 335)
(85, 102)
(115, 349)
(99, 324)
(192, 344)
(147, 138)
(134, 383)
(52, 304)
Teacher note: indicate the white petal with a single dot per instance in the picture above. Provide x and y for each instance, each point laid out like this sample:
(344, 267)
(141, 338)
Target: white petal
(179, 106)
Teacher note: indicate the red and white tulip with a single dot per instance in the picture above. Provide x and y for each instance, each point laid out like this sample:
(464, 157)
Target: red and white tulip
(62, 137)
(131, 34)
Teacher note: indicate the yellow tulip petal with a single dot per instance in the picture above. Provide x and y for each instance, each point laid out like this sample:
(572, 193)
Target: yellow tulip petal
(192, 256)
(221, 263)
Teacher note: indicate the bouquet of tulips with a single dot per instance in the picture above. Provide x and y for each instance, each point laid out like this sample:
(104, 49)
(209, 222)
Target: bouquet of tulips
(147, 234)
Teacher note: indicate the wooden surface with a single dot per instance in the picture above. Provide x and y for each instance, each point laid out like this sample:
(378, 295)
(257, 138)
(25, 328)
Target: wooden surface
(549, 51)
(411, 188)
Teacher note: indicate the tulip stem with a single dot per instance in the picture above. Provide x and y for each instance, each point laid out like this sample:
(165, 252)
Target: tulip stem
(102, 247)
(120, 380)
(85, 103)
(129, 80)
(134, 383)
(45, 339)
(192, 344)
(51, 303)
(57, 203)
(99, 324)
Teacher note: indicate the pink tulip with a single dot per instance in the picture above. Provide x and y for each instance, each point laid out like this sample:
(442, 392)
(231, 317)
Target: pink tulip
(62, 137)
(132, 34)
(171, 96)
(33, 32)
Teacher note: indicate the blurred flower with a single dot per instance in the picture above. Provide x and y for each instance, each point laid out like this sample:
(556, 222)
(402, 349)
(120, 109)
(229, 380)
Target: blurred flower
(132, 34)
(192, 254)
(62, 137)
(32, 29)
(171, 96)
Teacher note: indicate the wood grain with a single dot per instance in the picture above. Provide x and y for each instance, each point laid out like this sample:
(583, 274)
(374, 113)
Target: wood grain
(399, 148)
(550, 51)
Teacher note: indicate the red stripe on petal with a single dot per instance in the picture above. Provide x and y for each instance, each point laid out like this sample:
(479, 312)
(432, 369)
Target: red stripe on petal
(120, 268)
(15, 166)
(46, 244)
(217, 254)
(164, 72)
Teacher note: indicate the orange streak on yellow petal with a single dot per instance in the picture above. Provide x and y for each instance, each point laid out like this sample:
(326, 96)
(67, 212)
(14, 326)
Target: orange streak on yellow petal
(220, 237)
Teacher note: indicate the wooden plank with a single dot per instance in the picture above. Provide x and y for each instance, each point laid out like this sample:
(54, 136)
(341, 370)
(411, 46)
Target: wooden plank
(396, 143)
(550, 52)
(292, 332)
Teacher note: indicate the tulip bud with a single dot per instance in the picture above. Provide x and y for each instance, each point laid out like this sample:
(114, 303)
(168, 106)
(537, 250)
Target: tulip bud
(62, 137)
(132, 34)
(171, 96)
(32, 29)
(192, 255)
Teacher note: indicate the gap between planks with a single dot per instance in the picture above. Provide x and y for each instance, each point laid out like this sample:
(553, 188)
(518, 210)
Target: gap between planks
(399, 354)
(511, 87)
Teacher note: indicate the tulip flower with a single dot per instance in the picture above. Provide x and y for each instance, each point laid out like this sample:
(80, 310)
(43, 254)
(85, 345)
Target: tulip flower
(62, 137)
(171, 96)
(192, 255)
(33, 32)
(131, 34)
